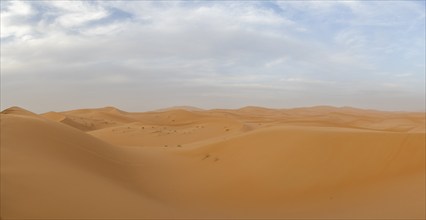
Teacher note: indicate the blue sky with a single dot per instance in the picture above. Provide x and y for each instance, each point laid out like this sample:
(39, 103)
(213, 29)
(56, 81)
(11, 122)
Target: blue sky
(142, 55)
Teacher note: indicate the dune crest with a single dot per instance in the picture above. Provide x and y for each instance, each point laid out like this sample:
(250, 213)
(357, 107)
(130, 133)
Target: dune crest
(18, 111)
(252, 162)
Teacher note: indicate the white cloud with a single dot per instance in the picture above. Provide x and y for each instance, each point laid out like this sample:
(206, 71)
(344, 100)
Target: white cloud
(351, 38)
(275, 62)
(13, 19)
(76, 13)
(15, 8)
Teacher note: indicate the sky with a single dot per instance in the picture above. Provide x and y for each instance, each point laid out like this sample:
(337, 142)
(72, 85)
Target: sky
(143, 55)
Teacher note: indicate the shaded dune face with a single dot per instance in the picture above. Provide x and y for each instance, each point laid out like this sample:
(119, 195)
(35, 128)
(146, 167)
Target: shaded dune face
(319, 162)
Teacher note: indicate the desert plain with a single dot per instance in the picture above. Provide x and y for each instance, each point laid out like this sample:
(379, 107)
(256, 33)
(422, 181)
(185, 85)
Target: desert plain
(184, 162)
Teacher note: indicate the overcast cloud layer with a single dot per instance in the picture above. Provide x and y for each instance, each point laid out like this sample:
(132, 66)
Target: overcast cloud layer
(141, 55)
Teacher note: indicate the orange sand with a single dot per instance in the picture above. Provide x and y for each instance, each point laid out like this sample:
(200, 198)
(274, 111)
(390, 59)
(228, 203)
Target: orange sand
(319, 162)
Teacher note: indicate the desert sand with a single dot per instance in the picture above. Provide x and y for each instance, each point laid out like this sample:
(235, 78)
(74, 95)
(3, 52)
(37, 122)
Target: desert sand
(317, 162)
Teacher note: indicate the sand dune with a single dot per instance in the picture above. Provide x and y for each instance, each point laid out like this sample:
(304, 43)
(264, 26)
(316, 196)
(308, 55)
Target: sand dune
(253, 162)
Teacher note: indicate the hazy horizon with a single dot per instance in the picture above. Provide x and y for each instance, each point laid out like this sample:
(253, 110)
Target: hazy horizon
(189, 107)
(144, 55)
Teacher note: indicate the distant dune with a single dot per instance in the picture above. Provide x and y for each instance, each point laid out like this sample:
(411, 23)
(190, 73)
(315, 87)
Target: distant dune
(183, 107)
(184, 162)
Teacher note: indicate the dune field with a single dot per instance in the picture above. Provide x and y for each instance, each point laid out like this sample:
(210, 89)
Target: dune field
(184, 162)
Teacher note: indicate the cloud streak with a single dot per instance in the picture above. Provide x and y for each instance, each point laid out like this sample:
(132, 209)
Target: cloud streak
(141, 55)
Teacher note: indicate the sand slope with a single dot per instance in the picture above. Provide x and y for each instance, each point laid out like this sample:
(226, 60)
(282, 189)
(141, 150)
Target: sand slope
(319, 162)
(49, 170)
